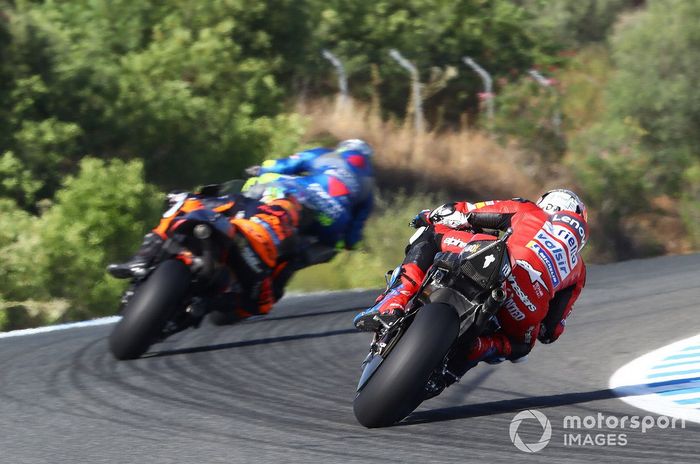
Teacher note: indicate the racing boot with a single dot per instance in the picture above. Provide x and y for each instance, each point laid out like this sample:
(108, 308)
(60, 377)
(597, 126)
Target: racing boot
(490, 348)
(137, 266)
(391, 304)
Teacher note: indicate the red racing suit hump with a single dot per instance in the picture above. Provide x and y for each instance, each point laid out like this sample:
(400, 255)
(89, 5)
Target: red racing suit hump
(546, 247)
(549, 244)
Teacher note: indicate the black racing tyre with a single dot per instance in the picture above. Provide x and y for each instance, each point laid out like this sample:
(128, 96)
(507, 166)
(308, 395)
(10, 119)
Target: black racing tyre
(397, 386)
(149, 310)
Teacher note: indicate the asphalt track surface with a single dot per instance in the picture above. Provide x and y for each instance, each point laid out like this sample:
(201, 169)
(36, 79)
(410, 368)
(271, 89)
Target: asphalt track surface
(281, 389)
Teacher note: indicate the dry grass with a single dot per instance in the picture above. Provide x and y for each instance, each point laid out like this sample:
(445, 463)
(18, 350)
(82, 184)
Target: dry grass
(468, 159)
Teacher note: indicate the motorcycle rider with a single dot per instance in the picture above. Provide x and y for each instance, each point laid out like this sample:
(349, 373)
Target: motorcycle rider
(339, 179)
(547, 276)
(334, 184)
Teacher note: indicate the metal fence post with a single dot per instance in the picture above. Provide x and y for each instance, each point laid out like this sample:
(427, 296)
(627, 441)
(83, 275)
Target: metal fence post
(547, 83)
(416, 89)
(487, 82)
(342, 77)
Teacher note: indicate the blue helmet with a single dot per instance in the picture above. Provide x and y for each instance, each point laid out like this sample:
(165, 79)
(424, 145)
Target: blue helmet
(356, 145)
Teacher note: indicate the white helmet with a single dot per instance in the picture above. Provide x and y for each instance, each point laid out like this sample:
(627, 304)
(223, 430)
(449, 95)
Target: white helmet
(357, 145)
(562, 200)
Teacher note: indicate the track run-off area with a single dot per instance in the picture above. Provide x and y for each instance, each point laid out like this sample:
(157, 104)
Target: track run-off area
(280, 389)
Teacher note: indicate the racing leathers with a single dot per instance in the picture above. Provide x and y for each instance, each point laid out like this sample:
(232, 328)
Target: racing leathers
(547, 276)
(336, 185)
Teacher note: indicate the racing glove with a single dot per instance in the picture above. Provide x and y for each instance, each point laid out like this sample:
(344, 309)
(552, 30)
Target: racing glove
(422, 219)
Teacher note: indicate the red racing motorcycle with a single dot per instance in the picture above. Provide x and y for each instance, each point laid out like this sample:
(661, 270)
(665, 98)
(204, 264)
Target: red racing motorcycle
(408, 359)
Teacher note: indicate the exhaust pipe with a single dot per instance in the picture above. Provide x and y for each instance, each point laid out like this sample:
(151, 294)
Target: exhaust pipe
(203, 233)
(495, 300)
(492, 304)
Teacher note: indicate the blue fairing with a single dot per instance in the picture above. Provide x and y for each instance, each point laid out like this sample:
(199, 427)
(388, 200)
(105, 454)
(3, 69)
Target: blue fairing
(336, 185)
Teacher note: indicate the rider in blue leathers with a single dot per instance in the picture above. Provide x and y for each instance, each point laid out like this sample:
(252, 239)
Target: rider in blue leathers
(334, 184)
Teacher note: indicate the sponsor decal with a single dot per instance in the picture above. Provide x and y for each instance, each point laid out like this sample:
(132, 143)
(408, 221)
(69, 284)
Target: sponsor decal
(551, 270)
(521, 295)
(481, 204)
(535, 275)
(513, 310)
(556, 250)
(453, 241)
(489, 260)
(573, 222)
(473, 248)
(538, 289)
(505, 270)
(569, 239)
(323, 202)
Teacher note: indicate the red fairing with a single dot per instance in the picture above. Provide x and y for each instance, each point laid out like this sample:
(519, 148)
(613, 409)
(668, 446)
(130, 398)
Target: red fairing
(545, 250)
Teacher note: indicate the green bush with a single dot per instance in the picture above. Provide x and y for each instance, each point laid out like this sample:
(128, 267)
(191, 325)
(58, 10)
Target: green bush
(577, 22)
(656, 84)
(193, 90)
(16, 181)
(22, 254)
(100, 215)
(532, 114)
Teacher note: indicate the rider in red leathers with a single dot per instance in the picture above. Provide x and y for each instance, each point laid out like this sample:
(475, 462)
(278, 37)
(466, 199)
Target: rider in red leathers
(547, 277)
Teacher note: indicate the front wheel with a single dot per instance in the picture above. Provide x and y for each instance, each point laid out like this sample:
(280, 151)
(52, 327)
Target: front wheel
(149, 309)
(397, 386)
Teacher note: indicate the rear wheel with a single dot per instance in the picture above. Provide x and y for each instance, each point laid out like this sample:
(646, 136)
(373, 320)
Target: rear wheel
(149, 309)
(397, 386)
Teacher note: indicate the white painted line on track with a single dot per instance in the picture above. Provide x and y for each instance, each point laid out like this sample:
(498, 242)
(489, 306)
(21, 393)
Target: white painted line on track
(55, 328)
(665, 381)
(113, 319)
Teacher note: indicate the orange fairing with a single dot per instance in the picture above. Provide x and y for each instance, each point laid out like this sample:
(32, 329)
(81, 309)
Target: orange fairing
(259, 239)
(224, 207)
(289, 206)
(191, 204)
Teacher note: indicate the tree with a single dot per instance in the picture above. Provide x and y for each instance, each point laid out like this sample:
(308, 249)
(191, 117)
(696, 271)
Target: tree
(189, 88)
(657, 54)
(575, 23)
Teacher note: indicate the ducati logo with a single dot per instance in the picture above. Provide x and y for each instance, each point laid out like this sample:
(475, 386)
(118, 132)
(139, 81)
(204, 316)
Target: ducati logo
(489, 259)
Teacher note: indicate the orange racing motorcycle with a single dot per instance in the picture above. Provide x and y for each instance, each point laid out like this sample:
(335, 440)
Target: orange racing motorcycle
(192, 268)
